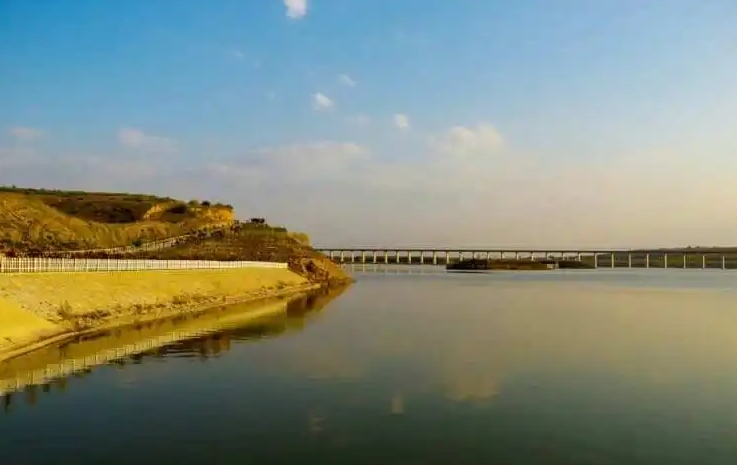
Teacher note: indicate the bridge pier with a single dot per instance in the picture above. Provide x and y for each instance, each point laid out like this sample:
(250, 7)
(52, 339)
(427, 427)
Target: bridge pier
(629, 260)
(703, 262)
(665, 260)
(647, 260)
(376, 256)
(724, 262)
(434, 258)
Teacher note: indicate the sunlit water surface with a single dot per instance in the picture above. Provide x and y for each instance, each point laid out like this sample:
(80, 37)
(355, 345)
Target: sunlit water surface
(415, 366)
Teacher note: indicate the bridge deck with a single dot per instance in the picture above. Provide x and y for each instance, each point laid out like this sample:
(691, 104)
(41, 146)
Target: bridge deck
(728, 251)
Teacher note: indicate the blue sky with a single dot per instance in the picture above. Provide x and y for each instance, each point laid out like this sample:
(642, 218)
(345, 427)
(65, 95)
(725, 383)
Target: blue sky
(480, 123)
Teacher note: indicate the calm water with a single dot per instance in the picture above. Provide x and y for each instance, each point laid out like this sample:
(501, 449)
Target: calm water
(605, 367)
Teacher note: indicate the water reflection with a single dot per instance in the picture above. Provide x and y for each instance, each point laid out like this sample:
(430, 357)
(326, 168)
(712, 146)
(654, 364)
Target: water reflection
(397, 404)
(422, 369)
(202, 336)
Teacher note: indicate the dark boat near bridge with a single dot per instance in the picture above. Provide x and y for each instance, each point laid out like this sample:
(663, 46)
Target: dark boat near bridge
(480, 265)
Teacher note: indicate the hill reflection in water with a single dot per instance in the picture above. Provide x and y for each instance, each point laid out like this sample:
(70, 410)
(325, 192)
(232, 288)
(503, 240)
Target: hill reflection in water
(203, 336)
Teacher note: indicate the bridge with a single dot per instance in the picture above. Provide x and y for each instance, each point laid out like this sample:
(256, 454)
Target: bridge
(703, 258)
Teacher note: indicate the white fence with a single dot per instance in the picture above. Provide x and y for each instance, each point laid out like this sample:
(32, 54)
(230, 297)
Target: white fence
(59, 265)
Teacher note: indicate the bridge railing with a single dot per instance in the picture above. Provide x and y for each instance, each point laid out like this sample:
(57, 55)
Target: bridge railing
(658, 258)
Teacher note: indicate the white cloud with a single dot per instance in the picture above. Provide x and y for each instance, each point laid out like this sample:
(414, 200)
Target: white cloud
(479, 140)
(359, 120)
(238, 54)
(467, 187)
(401, 121)
(295, 163)
(321, 102)
(512, 199)
(346, 80)
(136, 139)
(25, 133)
(296, 9)
(454, 161)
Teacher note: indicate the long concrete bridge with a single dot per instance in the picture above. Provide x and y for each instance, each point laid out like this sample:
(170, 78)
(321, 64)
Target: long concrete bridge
(611, 258)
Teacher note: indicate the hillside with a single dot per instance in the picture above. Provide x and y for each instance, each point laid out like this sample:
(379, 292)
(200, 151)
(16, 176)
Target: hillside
(36, 222)
(35, 219)
(246, 241)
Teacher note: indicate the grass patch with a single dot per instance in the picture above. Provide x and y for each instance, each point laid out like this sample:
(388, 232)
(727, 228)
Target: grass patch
(37, 219)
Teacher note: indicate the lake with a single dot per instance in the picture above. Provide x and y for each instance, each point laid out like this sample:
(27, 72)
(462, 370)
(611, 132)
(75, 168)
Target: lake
(410, 365)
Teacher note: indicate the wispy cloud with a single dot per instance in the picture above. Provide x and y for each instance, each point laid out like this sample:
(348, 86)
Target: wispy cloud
(478, 140)
(295, 163)
(359, 120)
(296, 9)
(467, 186)
(401, 121)
(346, 80)
(237, 54)
(25, 133)
(136, 139)
(470, 169)
(321, 102)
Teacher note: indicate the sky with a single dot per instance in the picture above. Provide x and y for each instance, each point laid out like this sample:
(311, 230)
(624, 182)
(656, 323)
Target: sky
(471, 123)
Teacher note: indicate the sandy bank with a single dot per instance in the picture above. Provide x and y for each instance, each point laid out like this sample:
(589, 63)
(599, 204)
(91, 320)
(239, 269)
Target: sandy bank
(36, 307)
(57, 361)
(79, 353)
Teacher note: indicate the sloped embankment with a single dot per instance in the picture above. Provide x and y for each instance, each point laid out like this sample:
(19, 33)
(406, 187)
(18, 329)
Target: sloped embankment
(36, 306)
(208, 333)
(251, 243)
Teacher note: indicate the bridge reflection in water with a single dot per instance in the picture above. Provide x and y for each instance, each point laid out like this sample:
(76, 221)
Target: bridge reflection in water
(394, 269)
(202, 335)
